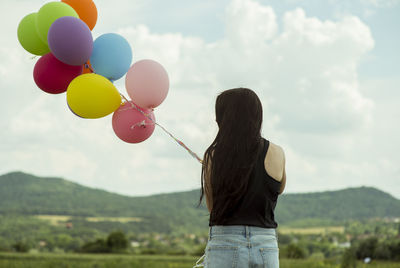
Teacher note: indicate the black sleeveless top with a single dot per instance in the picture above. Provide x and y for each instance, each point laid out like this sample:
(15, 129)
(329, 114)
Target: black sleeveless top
(258, 204)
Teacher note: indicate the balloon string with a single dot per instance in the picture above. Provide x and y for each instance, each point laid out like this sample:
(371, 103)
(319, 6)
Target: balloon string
(193, 154)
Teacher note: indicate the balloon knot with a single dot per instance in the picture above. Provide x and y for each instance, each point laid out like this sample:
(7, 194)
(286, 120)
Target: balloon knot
(141, 124)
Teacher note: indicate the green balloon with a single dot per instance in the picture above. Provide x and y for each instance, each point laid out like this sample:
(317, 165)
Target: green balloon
(48, 13)
(29, 38)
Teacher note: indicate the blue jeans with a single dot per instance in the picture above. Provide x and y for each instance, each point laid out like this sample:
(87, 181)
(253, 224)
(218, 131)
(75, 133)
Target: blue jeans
(240, 246)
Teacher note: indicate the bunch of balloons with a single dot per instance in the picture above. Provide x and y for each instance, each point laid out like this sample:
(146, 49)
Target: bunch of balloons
(71, 62)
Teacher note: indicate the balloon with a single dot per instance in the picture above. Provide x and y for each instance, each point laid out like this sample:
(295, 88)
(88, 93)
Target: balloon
(70, 40)
(52, 75)
(87, 68)
(29, 38)
(111, 56)
(73, 111)
(147, 83)
(48, 13)
(92, 96)
(86, 10)
(130, 125)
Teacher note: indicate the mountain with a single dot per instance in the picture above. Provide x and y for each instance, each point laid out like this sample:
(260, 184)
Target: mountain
(25, 194)
(338, 206)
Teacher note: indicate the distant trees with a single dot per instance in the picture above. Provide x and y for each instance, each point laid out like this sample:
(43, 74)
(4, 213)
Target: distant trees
(372, 247)
(21, 246)
(349, 259)
(4, 245)
(116, 242)
(366, 248)
(294, 251)
(97, 246)
(135, 238)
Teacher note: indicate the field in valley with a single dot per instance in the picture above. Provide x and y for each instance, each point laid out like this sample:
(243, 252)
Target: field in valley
(311, 230)
(18, 260)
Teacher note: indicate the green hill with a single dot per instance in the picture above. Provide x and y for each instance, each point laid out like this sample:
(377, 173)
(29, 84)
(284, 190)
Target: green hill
(337, 206)
(24, 194)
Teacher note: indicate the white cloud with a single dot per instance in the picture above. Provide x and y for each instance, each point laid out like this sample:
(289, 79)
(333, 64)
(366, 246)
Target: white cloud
(320, 58)
(249, 23)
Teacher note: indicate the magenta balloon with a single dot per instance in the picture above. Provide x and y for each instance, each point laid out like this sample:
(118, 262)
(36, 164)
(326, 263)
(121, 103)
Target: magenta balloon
(147, 83)
(54, 76)
(70, 40)
(130, 125)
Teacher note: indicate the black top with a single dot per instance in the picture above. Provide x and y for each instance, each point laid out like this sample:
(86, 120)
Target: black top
(258, 204)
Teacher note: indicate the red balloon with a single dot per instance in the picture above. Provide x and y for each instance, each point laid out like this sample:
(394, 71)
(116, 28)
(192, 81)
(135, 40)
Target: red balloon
(130, 125)
(53, 76)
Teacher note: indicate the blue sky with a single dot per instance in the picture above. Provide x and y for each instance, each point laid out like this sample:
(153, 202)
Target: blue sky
(205, 19)
(326, 71)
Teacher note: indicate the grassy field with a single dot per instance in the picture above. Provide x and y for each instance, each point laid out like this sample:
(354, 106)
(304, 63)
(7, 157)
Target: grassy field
(311, 230)
(61, 219)
(15, 260)
(53, 219)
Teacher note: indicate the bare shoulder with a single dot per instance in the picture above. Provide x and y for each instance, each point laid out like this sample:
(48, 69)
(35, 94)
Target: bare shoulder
(276, 150)
(274, 162)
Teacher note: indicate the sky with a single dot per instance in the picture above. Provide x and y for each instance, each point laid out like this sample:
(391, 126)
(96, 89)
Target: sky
(326, 72)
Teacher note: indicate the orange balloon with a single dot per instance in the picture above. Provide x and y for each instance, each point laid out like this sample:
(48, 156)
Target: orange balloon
(87, 68)
(86, 10)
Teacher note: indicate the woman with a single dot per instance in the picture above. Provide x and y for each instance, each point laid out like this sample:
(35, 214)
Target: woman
(242, 176)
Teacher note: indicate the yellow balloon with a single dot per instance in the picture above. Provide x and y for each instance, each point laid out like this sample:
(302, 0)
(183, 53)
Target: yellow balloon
(92, 96)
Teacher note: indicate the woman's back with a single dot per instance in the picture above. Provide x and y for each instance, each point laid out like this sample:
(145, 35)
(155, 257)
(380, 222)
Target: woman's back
(256, 207)
(250, 239)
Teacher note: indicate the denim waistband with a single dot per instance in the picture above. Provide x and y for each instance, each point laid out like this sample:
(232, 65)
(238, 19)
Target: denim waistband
(244, 230)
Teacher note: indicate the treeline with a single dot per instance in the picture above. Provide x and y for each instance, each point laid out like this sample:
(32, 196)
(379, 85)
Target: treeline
(116, 242)
(376, 239)
(81, 236)
(371, 249)
(376, 248)
(315, 246)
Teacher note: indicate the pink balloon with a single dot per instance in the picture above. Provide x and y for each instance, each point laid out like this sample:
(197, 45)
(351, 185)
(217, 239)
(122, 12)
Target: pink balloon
(147, 83)
(130, 125)
(54, 76)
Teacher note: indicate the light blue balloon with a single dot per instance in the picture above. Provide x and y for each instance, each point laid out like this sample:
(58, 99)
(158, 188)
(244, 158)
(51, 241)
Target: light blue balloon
(111, 56)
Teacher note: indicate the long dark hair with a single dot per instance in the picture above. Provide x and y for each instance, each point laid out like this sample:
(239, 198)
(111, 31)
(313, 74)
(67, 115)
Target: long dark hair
(233, 153)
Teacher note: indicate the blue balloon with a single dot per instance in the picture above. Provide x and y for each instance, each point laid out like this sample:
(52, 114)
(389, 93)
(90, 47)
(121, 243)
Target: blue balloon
(111, 56)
